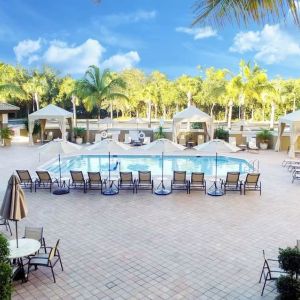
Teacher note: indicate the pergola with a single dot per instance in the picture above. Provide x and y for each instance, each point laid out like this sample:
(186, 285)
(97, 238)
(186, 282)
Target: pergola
(5, 109)
(192, 115)
(50, 112)
(293, 120)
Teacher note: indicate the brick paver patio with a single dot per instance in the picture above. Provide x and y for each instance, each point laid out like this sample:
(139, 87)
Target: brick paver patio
(144, 246)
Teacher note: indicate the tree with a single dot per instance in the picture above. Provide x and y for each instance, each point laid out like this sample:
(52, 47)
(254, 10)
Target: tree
(244, 11)
(97, 86)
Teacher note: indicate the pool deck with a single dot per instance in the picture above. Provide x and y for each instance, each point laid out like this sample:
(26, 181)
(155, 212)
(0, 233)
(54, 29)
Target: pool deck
(143, 246)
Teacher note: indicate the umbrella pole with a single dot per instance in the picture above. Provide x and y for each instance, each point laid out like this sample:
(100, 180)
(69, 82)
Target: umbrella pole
(110, 190)
(17, 234)
(59, 169)
(162, 170)
(62, 189)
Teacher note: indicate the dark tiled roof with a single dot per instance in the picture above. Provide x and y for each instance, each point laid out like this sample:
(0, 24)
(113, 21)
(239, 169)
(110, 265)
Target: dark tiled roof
(6, 107)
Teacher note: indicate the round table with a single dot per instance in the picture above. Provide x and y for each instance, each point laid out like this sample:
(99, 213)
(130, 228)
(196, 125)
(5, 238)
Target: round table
(26, 247)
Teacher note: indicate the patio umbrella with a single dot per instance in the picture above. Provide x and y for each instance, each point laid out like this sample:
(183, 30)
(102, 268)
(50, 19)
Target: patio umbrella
(109, 145)
(216, 146)
(14, 205)
(106, 121)
(136, 121)
(163, 146)
(58, 147)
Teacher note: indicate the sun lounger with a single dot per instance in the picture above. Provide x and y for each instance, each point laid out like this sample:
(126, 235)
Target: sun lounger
(197, 182)
(232, 182)
(144, 181)
(179, 181)
(95, 181)
(126, 181)
(78, 180)
(44, 181)
(251, 183)
(25, 178)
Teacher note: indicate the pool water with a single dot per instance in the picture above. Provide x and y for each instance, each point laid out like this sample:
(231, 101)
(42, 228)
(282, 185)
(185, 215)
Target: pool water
(134, 163)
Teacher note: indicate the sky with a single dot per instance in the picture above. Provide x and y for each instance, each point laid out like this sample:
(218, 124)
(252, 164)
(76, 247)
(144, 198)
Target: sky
(71, 35)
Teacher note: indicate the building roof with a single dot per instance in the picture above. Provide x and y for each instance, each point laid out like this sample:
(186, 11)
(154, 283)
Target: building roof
(8, 108)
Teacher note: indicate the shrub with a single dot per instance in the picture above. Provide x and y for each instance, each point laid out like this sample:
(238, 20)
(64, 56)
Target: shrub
(160, 134)
(36, 127)
(79, 132)
(197, 125)
(288, 288)
(222, 134)
(6, 133)
(5, 270)
(264, 135)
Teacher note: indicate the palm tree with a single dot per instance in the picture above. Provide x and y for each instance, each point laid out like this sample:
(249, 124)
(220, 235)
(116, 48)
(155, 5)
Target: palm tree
(97, 86)
(244, 11)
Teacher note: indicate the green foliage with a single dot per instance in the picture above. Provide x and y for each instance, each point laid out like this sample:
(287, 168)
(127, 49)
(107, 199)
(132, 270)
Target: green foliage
(288, 288)
(5, 270)
(160, 134)
(6, 133)
(222, 134)
(79, 132)
(289, 260)
(197, 125)
(264, 135)
(36, 127)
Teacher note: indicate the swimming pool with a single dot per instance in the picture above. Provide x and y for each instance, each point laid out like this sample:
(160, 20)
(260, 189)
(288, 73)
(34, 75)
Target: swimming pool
(134, 163)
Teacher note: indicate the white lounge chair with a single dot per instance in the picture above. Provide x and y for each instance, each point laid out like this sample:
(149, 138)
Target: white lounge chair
(98, 137)
(127, 139)
(232, 140)
(147, 140)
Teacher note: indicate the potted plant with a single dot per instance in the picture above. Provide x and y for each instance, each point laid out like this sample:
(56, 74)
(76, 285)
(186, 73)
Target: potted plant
(6, 135)
(160, 134)
(5, 270)
(264, 136)
(79, 133)
(288, 286)
(222, 134)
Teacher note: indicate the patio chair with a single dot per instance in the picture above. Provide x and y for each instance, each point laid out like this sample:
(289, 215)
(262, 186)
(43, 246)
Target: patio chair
(232, 140)
(78, 180)
(25, 179)
(95, 181)
(270, 271)
(179, 181)
(147, 140)
(197, 182)
(35, 233)
(127, 139)
(296, 175)
(126, 181)
(48, 260)
(251, 145)
(251, 183)
(144, 181)
(5, 222)
(232, 182)
(44, 181)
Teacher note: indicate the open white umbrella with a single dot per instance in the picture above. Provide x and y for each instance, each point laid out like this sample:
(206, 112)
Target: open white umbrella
(109, 145)
(58, 147)
(14, 205)
(216, 146)
(162, 146)
(136, 121)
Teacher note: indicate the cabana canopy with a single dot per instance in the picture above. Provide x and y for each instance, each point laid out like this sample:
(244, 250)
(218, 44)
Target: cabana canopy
(193, 114)
(293, 120)
(50, 112)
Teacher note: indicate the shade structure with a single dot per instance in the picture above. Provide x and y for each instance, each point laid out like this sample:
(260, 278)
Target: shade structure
(50, 112)
(216, 146)
(193, 114)
(163, 146)
(108, 146)
(136, 121)
(14, 204)
(58, 147)
(293, 120)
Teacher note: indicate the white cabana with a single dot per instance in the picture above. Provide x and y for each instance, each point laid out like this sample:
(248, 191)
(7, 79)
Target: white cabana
(293, 120)
(50, 112)
(193, 114)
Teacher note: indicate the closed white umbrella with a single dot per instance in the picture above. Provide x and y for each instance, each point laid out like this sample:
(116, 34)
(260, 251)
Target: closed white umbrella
(136, 121)
(216, 146)
(109, 146)
(106, 121)
(58, 147)
(163, 146)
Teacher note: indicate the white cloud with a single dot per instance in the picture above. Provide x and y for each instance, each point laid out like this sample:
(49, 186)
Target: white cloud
(198, 33)
(135, 17)
(25, 48)
(74, 59)
(121, 62)
(270, 45)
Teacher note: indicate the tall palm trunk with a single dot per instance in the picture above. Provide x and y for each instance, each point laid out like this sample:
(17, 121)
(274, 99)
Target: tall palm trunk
(226, 113)
(272, 117)
(212, 110)
(155, 111)
(36, 99)
(164, 112)
(73, 100)
(111, 109)
(229, 115)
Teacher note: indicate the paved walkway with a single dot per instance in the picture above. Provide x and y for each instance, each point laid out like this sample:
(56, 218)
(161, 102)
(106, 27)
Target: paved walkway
(144, 246)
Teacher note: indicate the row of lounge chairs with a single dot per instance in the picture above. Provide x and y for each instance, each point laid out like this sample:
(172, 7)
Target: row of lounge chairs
(293, 166)
(126, 181)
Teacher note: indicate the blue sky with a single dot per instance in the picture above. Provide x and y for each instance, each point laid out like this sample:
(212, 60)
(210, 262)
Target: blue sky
(149, 34)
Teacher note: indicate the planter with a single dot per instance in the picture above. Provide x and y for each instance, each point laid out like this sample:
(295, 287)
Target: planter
(263, 146)
(6, 142)
(79, 140)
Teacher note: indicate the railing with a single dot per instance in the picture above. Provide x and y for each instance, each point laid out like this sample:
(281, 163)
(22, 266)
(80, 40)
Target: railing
(255, 165)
